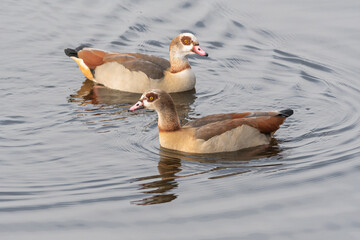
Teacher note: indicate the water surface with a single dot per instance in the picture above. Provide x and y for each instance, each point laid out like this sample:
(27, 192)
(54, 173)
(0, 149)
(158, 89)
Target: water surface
(75, 164)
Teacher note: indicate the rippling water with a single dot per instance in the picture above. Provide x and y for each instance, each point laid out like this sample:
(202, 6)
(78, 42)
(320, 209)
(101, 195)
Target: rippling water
(75, 164)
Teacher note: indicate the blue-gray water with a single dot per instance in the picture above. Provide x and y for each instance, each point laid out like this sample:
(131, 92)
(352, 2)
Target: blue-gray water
(74, 164)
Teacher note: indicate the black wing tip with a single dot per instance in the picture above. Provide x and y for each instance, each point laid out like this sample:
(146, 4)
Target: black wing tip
(74, 52)
(70, 52)
(286, 113)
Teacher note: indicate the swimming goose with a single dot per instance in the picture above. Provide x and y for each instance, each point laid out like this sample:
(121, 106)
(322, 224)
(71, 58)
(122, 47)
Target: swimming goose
(213, 133)
(136, 72)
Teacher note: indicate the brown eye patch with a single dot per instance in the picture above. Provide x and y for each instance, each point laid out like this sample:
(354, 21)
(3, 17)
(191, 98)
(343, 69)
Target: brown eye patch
(186, 40)
(151, 97)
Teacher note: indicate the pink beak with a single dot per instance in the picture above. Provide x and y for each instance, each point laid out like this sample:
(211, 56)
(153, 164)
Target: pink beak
(197, 49)
(138, 105)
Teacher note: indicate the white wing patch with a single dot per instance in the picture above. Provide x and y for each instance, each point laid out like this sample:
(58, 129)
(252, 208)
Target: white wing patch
(235, 139)
(116, 76)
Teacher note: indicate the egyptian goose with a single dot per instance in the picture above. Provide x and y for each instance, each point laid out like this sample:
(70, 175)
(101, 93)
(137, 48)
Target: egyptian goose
(136, 72)
(213, 133)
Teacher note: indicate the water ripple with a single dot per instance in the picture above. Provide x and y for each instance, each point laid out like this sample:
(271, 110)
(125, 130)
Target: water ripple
(298, 60)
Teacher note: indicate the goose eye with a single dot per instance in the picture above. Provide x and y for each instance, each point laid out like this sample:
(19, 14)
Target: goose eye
(186, 40)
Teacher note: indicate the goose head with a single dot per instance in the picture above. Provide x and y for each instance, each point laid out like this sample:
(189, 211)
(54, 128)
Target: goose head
(163, 104)
(155, 99)
(186, 44)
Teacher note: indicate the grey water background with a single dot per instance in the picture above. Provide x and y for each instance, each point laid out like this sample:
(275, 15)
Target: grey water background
(74, 164)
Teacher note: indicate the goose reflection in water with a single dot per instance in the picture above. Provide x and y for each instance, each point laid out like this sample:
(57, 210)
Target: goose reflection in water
(162, 188)
(92, 93)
